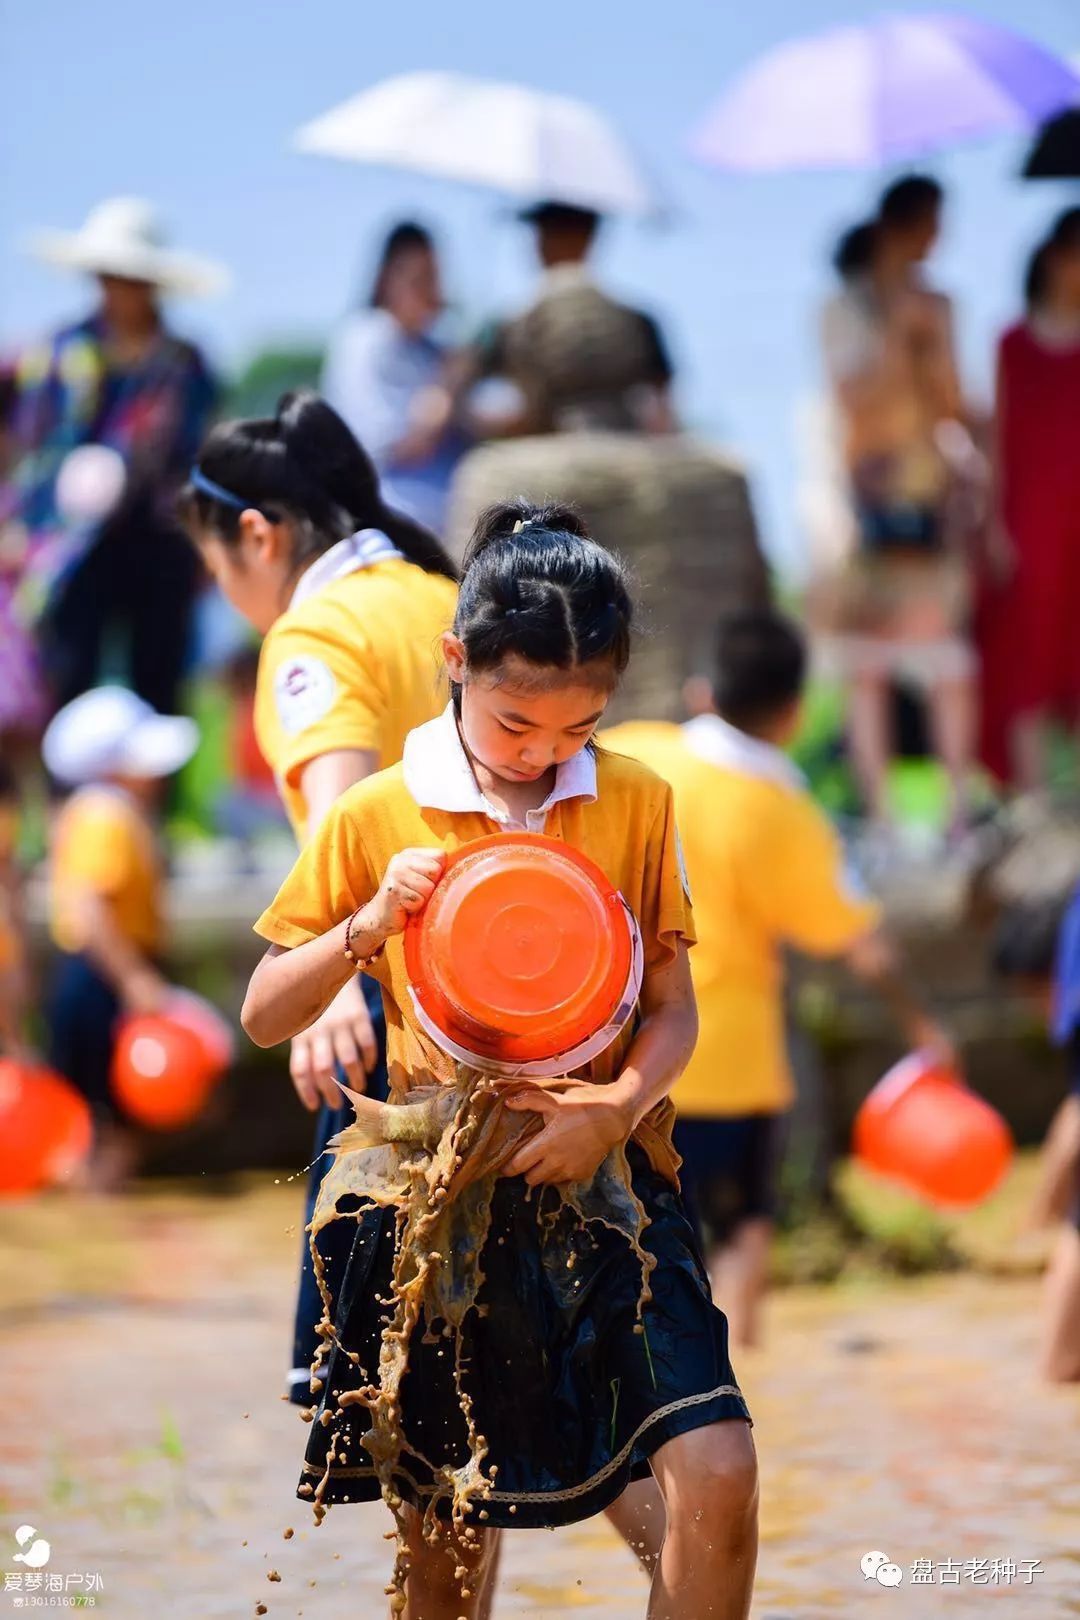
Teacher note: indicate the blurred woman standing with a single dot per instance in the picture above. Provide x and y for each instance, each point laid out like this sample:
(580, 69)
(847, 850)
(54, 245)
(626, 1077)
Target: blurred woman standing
(902, 601)
(1031, 602)
(381, 372)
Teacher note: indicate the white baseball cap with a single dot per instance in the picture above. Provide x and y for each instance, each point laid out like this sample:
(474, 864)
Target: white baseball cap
(110, 731)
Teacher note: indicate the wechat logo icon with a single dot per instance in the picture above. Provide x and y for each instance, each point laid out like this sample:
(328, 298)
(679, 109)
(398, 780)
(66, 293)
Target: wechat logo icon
(877, 1566)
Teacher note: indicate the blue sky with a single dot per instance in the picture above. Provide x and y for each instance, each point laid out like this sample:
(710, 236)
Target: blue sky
(193, 106)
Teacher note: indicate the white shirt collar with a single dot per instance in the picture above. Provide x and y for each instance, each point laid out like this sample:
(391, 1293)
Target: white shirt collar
(356, 551)
(720, 743)
(439, 777)
(562, 277)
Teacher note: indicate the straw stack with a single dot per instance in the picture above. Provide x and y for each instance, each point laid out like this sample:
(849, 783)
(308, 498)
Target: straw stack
(677, 511)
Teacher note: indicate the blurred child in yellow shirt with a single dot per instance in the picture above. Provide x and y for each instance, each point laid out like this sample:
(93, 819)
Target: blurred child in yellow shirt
(351, 599)
(767, 873)
(105, 879)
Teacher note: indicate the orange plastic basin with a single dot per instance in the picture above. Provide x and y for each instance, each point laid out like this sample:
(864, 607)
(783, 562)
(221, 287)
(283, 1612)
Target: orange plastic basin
(524, 952)
(923, 1126)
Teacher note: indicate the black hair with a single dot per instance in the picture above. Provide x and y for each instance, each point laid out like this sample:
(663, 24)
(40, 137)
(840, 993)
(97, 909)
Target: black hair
(909, 200)
(305, 465)
(407, 237)
(1037, 278)
(9, 394)
(760, 667)
(1063, 237)
(1065, 231)
(1026, 938)
(537, 585)
(562, 216)
(854, 251)
(9, 783)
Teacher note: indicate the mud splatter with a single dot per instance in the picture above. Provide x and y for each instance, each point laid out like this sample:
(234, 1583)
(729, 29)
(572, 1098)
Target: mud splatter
(434, 1160)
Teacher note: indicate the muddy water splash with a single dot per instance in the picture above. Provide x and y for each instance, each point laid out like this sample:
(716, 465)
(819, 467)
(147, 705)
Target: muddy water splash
(435, 1161)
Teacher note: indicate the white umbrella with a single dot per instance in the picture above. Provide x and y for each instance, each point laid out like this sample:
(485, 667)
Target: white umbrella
(532, 145)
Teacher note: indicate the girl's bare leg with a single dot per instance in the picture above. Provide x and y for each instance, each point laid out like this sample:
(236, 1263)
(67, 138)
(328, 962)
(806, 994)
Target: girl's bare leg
(434, 1587)
(1060, 1348)
(639, 1517)
(491, 1577)
(709, 1483)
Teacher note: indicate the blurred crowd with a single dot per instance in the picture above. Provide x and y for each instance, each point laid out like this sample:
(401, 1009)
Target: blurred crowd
(944, 562)
(102, 419)
(957, 570)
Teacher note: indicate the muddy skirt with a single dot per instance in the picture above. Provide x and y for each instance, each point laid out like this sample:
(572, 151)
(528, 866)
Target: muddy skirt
(570, 1396)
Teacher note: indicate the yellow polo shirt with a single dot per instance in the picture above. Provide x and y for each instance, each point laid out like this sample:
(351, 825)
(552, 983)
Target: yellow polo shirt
(356, 664)
(102, 842)
(767, 872)
(622, 818)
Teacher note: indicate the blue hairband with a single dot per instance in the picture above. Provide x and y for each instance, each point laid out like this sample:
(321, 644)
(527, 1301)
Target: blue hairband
(207, 486)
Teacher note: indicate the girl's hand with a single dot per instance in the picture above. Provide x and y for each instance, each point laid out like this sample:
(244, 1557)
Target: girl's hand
(583, 1122)
(406, 887)
(342, 1037)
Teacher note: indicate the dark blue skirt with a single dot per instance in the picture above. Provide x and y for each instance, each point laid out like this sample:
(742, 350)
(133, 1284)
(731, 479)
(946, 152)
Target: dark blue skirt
(571, 1398)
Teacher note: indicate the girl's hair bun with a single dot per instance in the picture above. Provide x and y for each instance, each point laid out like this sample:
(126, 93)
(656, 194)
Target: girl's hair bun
(536, 585)
(507, 518)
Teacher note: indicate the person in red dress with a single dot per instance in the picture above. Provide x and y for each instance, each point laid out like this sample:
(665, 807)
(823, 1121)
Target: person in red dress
(1029, 613)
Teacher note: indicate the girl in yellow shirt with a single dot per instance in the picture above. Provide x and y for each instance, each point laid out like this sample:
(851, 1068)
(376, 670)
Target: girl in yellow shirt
(573, 1394)
(351, 599)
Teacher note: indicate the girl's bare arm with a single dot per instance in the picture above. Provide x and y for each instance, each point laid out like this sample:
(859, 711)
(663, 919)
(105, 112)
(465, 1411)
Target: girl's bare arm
(665, 1041)
(290, 988)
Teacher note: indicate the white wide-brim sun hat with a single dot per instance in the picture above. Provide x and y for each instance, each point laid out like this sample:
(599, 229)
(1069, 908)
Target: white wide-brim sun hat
(112, 732)
(124, 237)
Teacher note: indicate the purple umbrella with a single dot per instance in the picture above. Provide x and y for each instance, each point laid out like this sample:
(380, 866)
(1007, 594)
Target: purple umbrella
(882, 92)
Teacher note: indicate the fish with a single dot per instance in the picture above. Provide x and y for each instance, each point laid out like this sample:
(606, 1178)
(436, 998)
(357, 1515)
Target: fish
(420, 1121)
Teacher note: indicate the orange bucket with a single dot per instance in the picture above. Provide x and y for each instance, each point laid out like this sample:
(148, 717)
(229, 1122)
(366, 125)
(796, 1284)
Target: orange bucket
(166, 1064)
(923, 1126)
(46, 1129)
(525, 960)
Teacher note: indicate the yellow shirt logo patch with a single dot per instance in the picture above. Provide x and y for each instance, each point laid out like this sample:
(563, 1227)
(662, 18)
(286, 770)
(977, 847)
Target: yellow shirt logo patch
(304, 690)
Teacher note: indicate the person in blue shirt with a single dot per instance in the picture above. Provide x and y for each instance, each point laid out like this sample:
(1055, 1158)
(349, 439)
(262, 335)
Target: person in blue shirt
(382, 373)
